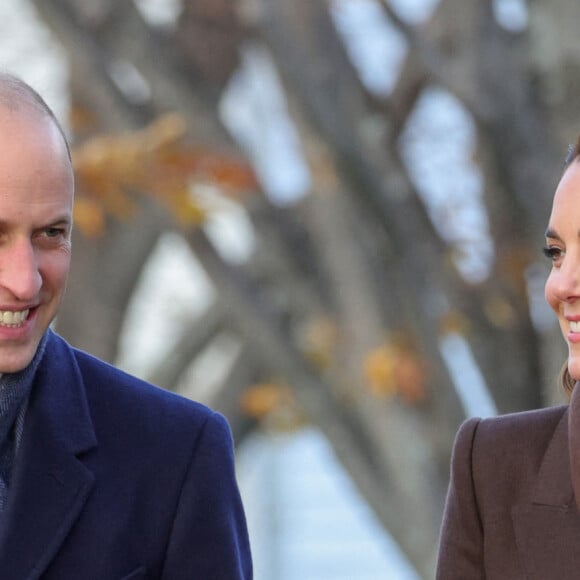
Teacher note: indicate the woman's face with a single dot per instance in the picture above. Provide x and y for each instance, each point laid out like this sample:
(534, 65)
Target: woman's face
(563, 248)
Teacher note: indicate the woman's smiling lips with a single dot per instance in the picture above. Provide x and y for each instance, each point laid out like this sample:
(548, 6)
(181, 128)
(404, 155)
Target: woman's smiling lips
(573, 329)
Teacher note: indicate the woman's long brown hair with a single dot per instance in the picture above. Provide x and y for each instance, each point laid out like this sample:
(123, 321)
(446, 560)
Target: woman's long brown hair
(566, 380)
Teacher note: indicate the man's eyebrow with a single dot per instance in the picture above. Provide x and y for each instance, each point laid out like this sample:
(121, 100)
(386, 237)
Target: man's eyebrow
(63, 220)
(60, 220)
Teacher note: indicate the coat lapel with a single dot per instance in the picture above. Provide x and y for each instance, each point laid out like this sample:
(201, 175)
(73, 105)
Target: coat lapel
(547, 528)
(50, 484)
(574, 441)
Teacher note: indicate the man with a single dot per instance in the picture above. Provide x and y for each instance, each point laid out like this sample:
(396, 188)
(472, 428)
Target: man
(102, 476)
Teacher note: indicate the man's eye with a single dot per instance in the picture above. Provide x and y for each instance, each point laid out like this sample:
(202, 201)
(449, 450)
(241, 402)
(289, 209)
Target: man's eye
(54, 232)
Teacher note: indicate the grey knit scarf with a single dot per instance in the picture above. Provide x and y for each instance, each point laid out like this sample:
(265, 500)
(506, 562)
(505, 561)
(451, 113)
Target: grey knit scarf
(14, 392)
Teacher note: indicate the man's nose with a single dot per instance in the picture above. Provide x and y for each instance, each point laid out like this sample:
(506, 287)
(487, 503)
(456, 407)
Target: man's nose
(19, 271)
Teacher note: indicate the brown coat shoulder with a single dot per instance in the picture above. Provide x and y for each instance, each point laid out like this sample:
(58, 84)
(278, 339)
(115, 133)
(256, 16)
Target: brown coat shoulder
(500, 468)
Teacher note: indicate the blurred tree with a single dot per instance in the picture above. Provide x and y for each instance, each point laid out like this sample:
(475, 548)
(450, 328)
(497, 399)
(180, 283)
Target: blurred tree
(342, 307)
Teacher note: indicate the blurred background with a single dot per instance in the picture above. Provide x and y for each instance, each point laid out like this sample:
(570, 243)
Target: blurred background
(324, 219)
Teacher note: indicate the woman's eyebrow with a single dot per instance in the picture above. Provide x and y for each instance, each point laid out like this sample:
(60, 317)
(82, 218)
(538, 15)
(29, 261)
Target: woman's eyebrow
(551, 233)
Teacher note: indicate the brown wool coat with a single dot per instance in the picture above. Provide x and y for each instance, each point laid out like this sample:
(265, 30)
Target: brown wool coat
(513, 504)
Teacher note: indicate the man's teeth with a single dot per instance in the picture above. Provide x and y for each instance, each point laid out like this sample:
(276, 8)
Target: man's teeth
(13, 318)
(575, 326)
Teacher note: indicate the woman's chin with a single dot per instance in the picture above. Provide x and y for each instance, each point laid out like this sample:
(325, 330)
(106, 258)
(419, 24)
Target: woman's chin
(574, 367)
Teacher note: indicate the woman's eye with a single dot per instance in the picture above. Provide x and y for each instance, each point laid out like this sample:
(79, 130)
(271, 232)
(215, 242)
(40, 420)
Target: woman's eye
(553, 253)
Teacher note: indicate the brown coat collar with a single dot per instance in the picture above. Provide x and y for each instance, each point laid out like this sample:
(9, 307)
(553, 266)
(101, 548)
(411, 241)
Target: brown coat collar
(574, 442)
(547, 528)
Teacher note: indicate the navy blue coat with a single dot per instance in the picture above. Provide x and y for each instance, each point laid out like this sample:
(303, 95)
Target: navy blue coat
(117, 479)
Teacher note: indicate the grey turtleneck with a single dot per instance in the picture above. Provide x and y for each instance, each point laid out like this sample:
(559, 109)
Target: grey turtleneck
(14, 392)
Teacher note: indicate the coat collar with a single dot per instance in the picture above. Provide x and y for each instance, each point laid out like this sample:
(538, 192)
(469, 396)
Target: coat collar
(547, 527)
(574, 441)
(50, 485)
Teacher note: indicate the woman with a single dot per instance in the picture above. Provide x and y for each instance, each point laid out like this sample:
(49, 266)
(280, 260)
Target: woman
(513, 503)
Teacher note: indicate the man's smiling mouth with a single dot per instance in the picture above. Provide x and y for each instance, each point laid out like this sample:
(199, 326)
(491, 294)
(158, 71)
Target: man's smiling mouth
(13, 318)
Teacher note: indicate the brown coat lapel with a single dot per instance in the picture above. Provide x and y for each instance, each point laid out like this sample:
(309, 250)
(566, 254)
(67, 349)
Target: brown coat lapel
(512, 508)
(547, 529)
(574, 442)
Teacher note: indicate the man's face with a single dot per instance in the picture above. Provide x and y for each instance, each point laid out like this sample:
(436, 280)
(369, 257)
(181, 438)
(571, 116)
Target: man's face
(36, 199)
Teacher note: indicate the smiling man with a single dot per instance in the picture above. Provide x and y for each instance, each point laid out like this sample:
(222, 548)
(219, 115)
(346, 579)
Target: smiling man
(102, 476)
(36, 199)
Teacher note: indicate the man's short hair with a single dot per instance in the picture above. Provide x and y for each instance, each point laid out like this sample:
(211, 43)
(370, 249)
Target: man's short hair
(14, 93)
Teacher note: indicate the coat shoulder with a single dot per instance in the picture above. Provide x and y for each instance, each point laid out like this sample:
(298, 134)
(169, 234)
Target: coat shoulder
(159, 469)
(498, 464)
(117, 397)
(526, 432)
(508, 451)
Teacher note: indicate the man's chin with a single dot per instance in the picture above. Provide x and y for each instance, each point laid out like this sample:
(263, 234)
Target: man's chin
(17, 360)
